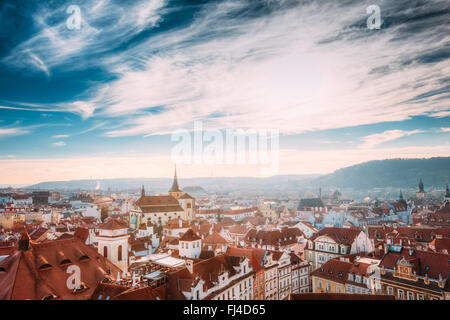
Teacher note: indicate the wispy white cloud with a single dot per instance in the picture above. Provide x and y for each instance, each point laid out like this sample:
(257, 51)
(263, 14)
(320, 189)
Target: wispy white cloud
(276, 71)
(389, 135)
(59, 144)
(445, 129)
(291, 69)
(60, 136)
(13, 131)
(55, 44)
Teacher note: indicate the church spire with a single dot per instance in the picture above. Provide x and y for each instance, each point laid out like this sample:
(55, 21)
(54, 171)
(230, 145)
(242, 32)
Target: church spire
(421, 189)
(175, 187)
(400, 197)
(143, 191)
(447, 192)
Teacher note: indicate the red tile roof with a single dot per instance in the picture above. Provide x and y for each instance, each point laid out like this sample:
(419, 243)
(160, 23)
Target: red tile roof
(40, 271)
(113, 224)
(425, 262)
(340, 235)
(189, 236)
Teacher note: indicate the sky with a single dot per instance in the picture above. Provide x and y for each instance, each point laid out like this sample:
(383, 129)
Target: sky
(104, 100)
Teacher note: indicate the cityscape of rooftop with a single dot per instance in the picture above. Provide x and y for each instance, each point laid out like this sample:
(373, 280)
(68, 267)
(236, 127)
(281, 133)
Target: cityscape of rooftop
(240, 152)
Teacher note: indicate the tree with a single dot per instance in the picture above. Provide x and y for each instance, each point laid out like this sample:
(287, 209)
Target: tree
(104, 213)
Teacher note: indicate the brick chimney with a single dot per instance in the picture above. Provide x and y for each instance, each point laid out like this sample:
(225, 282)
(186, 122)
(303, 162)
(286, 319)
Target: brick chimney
(24, 241)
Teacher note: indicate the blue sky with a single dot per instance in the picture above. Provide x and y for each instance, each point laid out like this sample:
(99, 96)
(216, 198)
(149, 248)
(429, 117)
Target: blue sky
(102, 101)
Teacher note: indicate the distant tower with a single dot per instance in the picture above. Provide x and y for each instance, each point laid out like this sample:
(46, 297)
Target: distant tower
(421, 189)
(175, 191)
(143, 191)
(421, 193)
(447, 194)
(401, 199)
(320, 192)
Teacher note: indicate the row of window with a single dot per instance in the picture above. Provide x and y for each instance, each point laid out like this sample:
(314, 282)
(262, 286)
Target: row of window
(401, 294)
(185, 245)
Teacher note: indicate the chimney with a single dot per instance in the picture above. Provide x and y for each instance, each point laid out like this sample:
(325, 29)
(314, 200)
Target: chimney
(24, 242)
(190, 266)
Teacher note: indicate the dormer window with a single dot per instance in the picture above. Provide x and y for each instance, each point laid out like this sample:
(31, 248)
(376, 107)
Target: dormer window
(65, 261)
(350, 277)
(45, 266)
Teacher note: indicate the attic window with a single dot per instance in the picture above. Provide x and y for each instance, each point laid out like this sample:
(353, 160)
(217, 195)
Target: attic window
(84, 258)
(45, 266)
(65, 261)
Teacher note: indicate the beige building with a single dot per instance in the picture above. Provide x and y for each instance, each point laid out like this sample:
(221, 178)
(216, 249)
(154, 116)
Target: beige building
(159, 210)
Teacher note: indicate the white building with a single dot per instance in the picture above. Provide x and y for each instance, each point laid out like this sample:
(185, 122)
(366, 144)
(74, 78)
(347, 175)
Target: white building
(113, 243)
(190, 245)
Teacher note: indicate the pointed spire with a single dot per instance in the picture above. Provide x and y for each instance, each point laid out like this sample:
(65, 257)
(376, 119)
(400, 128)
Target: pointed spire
(143, 191)
(400, 197)
(447, 191)
(421, 189)
(175, 187)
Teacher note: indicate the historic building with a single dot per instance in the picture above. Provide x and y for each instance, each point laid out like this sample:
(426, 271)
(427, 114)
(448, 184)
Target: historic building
(113, 242)
(221, 277)
(275, 239)
(411, 274)
(421, 192)
(330, 243)
(190, 245)
(158, 210)
(345, 275)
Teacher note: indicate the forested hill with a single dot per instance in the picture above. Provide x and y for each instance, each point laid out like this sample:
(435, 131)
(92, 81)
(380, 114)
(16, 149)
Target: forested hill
(402, 173)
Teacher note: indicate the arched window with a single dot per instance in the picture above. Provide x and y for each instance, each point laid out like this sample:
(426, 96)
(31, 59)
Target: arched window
(105, 252)
(119, 253)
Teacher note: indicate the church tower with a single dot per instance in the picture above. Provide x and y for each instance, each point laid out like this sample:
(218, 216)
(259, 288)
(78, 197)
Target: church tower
(175, 191)
(447, 194)
(143, 191)
(113, 242)
(421, 193)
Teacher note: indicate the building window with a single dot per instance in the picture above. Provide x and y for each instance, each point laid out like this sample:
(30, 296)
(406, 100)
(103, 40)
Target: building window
(420, 297)
(119, 253)
(105, 252)
(400, 294)
(390, 291)
(328, 287)
(410, 296)
(319, 284)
